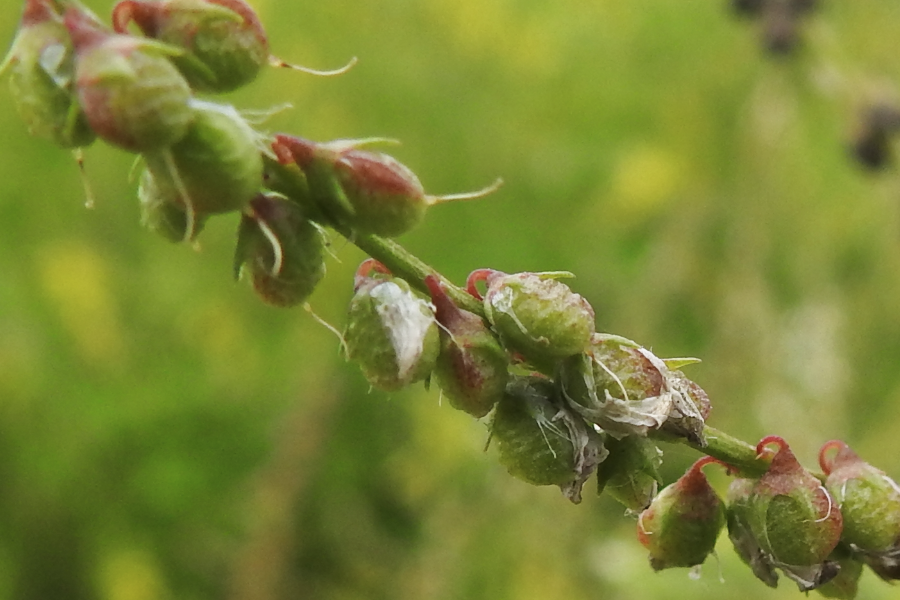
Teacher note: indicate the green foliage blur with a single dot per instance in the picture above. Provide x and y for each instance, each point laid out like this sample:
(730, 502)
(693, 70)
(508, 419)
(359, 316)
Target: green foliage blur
(164, 435)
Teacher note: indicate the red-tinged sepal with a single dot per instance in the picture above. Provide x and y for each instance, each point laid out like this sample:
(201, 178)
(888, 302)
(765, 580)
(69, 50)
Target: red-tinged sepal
(472, 368)
(681, 525)
(132, 95)
(363, 191)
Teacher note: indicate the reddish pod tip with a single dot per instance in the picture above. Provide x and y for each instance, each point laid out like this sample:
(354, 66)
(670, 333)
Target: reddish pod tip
(365, 269)
(827, 460)
(83, 29)
(475, 277)
(292, 149)
(37, 11)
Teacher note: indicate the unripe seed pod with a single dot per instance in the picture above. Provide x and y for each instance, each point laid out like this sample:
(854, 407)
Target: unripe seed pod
(741, 514)
(745, 543)
(682, 523)
(540, 441)
(791, 514)
(42, 71)
(535, 314)
(217, 164)
(472, 368)
(281, 249)
(630, 473)
(869, 500)
(224, 42)
(390, 332)
(627, 390)
(163, 216)
(132, 95)
(367, 192)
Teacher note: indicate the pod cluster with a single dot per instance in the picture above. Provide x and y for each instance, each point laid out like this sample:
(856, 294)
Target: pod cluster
(563, 401)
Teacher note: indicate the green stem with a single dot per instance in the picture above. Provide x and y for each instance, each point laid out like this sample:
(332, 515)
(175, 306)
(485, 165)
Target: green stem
(732, 451)
(407, 266)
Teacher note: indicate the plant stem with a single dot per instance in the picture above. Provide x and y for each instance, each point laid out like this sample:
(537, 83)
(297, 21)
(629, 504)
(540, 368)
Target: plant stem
(409, 267)
(732, 451)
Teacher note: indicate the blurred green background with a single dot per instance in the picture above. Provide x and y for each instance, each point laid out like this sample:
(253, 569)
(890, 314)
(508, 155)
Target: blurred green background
(164, 435)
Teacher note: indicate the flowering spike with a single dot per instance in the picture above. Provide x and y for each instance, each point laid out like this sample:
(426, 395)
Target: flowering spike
(472, 367)
(681, 525)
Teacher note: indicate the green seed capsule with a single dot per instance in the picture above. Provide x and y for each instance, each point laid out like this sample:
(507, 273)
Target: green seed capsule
(131, 94)
(536, 315)
(791, 515)
(281, 250)
(391, 332)
(41, 65)
(472, 368)
(868, 498)
(217, 163)
(224, 43)
(681, 525)
(541, 442)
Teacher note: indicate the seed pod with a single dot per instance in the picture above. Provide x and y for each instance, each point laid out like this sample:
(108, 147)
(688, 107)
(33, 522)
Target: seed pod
(630, 473)
(132, 96)
(869, 500)
(41, 65)
(741, 514)
(224, 43)
(681, 525)
(541, 442)
(472, 368)
(367, 192)
(627, 390)
(745, 543)
(217, 164)
(535, 314)
(792, 515)
(163, 216)
(281, 250)
(390, 332)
